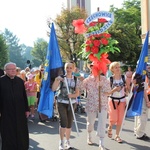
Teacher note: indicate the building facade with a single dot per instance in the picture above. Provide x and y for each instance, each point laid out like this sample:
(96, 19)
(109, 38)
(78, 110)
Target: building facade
(84, 4)
(145, 14)
(145, 22)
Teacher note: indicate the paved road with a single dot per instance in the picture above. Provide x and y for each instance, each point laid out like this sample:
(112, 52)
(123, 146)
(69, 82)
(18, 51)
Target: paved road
(44, 136)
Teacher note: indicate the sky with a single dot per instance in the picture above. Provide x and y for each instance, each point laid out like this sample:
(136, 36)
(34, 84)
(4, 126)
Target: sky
(27, 19)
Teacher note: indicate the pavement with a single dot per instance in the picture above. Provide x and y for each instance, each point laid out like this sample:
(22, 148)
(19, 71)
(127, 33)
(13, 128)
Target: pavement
(45, 136)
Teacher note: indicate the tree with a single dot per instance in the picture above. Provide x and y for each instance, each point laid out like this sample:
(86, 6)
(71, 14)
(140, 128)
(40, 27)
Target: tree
(69, 41)
(14, 49)
(26, 54)
(39, 51)
(126, 30)
(3, 51)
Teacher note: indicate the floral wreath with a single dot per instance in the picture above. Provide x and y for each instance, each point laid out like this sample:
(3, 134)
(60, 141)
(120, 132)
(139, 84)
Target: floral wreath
(98, 41)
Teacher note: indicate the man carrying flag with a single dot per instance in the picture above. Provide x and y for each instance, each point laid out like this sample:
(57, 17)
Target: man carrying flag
(138, 105)
(141, 120)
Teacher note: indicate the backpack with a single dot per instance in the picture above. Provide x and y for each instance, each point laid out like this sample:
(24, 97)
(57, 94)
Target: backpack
(111, 83)
(61, 92)
(75, 80)
(122, 77)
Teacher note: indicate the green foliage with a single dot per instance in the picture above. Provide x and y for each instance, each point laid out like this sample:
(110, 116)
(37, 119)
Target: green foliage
(26, 52)
(39, 51)
(14, 49)
(69, 41)
(3, 52)
(126, 30)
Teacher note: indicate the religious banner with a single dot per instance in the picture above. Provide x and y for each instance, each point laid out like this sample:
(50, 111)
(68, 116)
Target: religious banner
(98, 42)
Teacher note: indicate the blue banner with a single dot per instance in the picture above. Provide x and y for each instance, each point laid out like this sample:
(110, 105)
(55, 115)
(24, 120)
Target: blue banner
(137, 99)
(53, 68)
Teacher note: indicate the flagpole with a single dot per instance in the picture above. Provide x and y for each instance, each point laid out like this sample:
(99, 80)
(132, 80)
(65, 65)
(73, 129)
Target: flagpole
(127, 104)
(141, 67)
(71, 106)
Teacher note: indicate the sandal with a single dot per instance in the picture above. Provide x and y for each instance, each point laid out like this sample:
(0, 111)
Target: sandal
(109, 132)
(89, 141)
(118, 139)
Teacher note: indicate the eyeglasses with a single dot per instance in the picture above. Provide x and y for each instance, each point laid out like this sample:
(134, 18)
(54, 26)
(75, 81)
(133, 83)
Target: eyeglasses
(11, 69)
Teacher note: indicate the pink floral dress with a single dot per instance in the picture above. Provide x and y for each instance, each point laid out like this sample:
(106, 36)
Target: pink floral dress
(91, 84)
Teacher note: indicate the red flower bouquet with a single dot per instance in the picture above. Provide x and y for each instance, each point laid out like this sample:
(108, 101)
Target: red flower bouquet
(98, 42)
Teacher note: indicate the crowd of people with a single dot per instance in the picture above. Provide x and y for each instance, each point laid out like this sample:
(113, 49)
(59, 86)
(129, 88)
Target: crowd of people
(106, 99)
(112, 102)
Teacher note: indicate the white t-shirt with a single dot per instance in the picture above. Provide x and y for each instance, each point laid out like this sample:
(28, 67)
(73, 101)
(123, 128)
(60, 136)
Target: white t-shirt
(121, 93)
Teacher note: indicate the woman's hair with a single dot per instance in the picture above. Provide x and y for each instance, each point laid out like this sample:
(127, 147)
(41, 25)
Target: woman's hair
(18, 69)
(138, 78)
(113, 64)
(41, 66)
(27, 69)
(22, 72)
(40, 73)
(139, 82)
(69, 63)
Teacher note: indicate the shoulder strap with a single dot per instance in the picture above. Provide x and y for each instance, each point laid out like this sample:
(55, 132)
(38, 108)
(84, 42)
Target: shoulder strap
(61, 85)
(75, 80)
(111, 81)
(123, 78)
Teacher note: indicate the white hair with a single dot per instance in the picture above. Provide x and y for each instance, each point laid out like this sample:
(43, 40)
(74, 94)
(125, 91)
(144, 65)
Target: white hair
(9, 63)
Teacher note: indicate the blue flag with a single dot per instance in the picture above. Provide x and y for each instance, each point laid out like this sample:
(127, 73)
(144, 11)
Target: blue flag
(53, 68)
(137, 98)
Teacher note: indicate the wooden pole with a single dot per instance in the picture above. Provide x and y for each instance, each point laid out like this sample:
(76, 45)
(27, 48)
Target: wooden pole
(99, 91)
(99, 88)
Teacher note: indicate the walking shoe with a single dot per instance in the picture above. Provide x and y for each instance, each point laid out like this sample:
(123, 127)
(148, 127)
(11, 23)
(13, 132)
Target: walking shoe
(144, 138)
(67, 145)
(32, 117)
(102, 147)
(61, 145)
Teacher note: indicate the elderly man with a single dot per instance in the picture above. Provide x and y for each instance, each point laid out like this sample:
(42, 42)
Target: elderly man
(14, 110)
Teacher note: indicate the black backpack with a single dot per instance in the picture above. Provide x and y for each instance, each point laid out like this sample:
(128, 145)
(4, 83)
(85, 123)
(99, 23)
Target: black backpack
(75, 80)
(111, 83)
(111, 80)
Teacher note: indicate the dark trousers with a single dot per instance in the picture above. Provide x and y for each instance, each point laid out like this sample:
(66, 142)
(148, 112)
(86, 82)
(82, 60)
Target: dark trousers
(65, 114)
